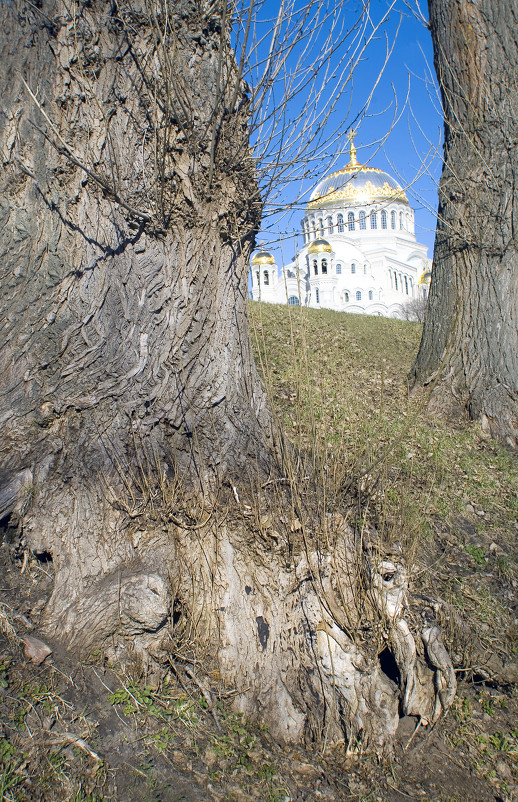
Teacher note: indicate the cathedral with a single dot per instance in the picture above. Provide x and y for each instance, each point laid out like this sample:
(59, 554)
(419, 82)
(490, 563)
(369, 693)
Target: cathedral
(360, 253)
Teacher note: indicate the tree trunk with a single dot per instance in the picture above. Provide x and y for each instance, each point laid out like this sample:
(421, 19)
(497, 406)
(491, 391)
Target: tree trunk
(469, 348)
(130, 402)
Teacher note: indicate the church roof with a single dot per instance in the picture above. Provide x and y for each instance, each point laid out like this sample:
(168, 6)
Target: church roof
(263, 258)
(356, 183)
(320, 246)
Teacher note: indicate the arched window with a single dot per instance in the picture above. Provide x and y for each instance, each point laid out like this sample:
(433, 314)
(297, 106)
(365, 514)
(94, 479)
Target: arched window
(340, 223)
(350, 221)
(321, 226)
(330, 225)
(383, 219)
(257, 277)
(313, 229)
(363, 221)
(346, 297)
(358, 295)
(266, 277)
(364, 270)
(317, 296)
(353, 267)
(395, 279)
(324, 266)
(374, 220)
(293, 301)
(315, 267)
(338, 269)
(406, 285)
(401, 220)
(371, 295)
(392, 219)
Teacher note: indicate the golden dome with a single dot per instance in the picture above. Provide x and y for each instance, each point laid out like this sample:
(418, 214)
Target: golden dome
(356, 183)
(425, 277)
(263, 258)
(320, 246)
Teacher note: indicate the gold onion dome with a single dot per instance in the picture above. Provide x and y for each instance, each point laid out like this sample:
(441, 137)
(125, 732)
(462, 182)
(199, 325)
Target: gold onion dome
(356, 183)
(320, 246)
(425, 277)
(263, 258)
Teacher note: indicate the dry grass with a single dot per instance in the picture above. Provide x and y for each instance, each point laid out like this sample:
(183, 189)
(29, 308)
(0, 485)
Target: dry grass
(441, 488)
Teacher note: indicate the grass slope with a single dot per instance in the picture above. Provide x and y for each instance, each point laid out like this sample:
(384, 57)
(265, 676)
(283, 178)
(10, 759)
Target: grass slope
(338, 383)
(71, 731)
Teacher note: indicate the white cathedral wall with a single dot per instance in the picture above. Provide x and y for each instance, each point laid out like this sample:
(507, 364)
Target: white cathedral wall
(393, 260)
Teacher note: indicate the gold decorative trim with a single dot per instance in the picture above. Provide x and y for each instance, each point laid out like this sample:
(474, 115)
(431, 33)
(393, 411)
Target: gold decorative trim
(368, 193)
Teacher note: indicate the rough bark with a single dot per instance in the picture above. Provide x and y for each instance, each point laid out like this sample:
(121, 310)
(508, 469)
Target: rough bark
(130, 399)
(470, 342)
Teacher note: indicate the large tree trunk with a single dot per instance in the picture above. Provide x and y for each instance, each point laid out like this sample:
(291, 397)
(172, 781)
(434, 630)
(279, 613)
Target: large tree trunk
(130, 401)
(470, 338)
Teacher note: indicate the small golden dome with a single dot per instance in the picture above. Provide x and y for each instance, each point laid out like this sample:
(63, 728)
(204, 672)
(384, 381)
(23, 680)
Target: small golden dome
(263, 258)
(320, 246)
(425, 277)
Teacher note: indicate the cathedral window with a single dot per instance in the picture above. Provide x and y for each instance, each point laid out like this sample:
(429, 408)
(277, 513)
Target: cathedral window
(293, 301)
(313, 229)
(395, 279)
(340, 223)
(350, 221)
(353, 268)
(371, 295)
(346, 297)
(358, 295)
(315, 267)
(374, 220)
(317, 296)
(401, 220)
(321, 226)
(392, 219)
(266, 277)
(324, 266)
(406, 285)
(330, 225)
(363, 221)
(338, 269)
(383, 219)
(257, 277)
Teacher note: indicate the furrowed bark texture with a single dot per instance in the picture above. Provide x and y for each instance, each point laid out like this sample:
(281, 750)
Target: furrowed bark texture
(470, 340)
(127, 211)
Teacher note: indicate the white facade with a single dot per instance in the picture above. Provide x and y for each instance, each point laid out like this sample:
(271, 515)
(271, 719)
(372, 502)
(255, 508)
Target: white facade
(360, 253)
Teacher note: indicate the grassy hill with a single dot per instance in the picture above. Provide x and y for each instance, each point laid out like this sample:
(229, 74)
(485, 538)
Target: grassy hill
(338, 383)
(441, 489)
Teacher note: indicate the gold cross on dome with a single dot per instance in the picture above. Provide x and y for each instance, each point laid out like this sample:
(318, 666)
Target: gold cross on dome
(352, 150)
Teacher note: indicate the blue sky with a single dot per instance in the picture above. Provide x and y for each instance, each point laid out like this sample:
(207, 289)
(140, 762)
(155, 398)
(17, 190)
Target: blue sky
(401, 131)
